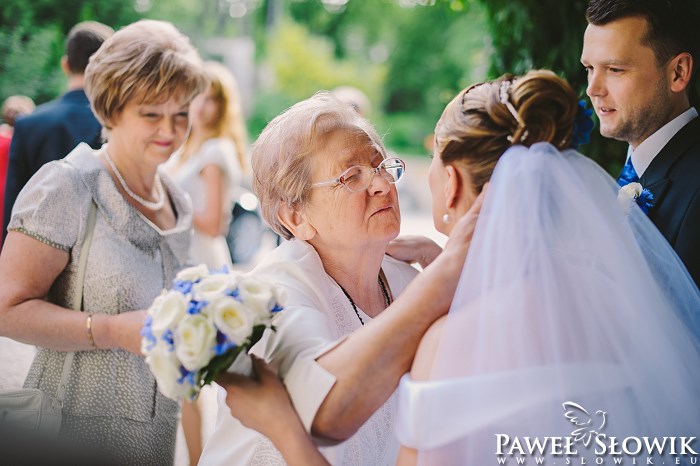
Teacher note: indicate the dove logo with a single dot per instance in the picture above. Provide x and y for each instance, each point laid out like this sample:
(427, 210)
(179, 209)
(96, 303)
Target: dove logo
(587, 425)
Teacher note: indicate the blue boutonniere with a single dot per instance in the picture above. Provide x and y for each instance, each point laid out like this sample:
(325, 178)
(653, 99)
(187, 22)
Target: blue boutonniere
(645, 200)
(583, 125)
(635, 192)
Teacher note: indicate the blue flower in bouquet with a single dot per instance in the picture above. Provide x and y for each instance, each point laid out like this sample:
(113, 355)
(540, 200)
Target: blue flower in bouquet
(223, 344)
(195, 307)
(583, 125)
(195, 330)
(169, 339)
(148, 338)
(186, 377)
(182, 286)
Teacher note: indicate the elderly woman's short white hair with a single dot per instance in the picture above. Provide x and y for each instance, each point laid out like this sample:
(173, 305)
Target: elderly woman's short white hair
(283, 154)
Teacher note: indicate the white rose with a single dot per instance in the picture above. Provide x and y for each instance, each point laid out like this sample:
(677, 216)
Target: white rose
(191, 274)
(195, 338)
(167, 311)
(166, 369)
(232, 318)
(627, 194)
(258, 296)
(213, 286)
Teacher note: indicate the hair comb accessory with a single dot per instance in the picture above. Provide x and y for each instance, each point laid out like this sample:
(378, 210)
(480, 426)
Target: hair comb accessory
(504, 96)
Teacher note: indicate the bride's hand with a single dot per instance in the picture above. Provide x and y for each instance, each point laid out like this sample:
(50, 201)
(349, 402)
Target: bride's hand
(414, 249)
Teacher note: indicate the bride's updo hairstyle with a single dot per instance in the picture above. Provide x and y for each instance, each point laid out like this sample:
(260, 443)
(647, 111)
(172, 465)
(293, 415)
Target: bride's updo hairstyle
(483, 121)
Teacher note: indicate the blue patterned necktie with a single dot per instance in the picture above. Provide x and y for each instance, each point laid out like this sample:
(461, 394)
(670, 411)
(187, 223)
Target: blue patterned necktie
(627, 175)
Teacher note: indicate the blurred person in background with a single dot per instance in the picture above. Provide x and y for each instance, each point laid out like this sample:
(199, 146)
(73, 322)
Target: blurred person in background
(14, 107)
(211, 163)
(15, 357)
(56, 127)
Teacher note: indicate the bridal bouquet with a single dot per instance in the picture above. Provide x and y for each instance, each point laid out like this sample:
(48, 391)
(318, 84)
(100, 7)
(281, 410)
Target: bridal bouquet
(195, 330)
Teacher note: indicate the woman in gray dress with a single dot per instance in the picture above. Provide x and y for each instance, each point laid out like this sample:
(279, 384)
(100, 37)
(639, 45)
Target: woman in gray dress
(140, 84)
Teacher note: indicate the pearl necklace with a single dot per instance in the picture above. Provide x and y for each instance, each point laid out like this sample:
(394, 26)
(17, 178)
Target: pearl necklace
(155, 206)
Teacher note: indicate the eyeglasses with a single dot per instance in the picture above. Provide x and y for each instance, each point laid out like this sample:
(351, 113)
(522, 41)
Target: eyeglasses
(359, 177)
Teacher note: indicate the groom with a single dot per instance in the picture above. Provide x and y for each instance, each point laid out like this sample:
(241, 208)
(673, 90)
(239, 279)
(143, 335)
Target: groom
(642, 58)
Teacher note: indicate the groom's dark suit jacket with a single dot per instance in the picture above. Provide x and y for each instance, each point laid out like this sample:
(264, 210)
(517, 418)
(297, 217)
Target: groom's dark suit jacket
(50, 133)
(674, 179)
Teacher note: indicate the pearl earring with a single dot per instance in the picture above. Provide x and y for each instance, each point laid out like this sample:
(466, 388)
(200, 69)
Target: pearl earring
(446, 218)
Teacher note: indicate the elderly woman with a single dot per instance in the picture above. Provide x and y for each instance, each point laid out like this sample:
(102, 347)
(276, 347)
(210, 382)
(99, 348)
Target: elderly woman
(346, 336)
(140, 84)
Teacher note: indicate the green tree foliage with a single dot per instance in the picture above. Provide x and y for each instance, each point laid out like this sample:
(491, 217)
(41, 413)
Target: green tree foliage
(302, 64)
(429, 52)
(32, 36)
(529, 34)
(198, 19)
(305, 63)
(438, 50)
(30, 64)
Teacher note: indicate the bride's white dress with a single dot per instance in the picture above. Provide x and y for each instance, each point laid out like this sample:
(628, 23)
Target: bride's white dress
(571, 307)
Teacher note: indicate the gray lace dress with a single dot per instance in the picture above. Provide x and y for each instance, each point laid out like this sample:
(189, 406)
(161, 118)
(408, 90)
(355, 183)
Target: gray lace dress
(111, 403)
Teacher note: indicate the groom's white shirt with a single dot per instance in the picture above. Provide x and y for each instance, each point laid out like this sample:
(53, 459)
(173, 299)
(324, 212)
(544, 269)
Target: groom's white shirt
(316, 318)
(643, 155)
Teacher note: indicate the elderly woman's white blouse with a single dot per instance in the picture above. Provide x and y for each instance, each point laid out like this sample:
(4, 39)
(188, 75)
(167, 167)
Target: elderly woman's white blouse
(317, 317)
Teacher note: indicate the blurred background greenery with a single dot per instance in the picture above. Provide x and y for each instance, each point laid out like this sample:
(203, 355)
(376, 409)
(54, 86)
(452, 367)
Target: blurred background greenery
(409, 56)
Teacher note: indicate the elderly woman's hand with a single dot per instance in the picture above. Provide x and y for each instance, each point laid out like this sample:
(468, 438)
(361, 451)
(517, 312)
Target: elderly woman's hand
(263, 404)
(414, 249)
(256, 401)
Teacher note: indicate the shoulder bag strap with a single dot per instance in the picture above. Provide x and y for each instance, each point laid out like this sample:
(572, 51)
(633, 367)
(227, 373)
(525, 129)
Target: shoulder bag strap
(78, 297)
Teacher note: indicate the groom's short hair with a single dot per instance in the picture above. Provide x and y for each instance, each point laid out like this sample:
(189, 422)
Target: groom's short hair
(672, 24)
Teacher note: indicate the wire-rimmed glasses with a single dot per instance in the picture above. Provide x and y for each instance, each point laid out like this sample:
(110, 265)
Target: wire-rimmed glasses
(359, 177)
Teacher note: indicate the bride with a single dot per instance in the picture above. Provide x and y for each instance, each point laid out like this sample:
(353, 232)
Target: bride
(573, 319)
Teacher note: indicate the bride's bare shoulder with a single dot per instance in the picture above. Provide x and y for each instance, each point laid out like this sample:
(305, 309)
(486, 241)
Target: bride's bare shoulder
(423, 362)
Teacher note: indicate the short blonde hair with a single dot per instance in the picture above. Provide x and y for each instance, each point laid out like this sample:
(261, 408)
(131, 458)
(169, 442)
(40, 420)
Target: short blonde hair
(147, 61)
(282, 156)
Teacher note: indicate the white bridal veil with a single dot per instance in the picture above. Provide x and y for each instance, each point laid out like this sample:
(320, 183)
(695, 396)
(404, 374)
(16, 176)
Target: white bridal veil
(564, 298)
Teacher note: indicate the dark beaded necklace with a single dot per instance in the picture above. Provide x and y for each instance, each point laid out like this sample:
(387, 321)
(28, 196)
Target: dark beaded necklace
(387, 300)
